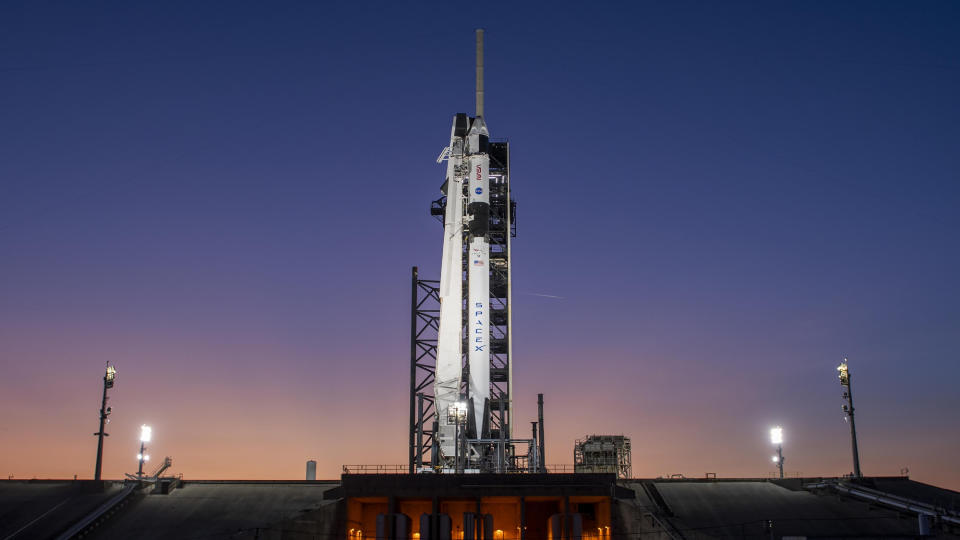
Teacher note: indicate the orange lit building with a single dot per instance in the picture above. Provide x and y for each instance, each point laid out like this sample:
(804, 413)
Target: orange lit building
(488, 506)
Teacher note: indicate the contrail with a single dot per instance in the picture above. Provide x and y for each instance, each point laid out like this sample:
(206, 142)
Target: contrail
(544, 295)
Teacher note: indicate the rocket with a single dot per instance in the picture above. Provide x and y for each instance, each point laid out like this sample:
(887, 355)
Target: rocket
(447, 377)
(465, 315)
(478, 277)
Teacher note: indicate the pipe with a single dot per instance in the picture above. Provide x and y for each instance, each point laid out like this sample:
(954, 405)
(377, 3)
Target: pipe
(501, 458)
(905, 504)
(902, 503)
(535, 466)
(419, 459)
(435, 448)
(543, 458)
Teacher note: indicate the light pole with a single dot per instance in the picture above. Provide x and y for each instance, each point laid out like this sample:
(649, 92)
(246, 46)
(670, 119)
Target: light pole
(776, 437)
(848, 409)
(108, 380)
(146, 433)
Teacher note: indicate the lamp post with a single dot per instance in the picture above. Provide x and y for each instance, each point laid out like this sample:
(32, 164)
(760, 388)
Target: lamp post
(108, 380)
(776, 437)
(146, 433)
(844, 376)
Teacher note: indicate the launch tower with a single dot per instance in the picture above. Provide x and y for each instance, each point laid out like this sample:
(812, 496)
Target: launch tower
(461, 406)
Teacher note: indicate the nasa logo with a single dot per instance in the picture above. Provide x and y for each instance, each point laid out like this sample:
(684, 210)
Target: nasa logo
(479, 191)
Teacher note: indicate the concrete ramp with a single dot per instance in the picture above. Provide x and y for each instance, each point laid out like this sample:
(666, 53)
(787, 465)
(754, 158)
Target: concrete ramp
(43, 509)
(99, 514)
(759, 509)
(226, 509)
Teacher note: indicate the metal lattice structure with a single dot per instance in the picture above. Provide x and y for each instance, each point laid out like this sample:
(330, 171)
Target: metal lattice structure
(502, 229)
(424, 316)
(603, 454)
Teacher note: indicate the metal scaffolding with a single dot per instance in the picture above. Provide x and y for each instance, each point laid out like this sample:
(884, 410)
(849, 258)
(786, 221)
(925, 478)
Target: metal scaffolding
(502, 229)
(424, 315)
(603, 454)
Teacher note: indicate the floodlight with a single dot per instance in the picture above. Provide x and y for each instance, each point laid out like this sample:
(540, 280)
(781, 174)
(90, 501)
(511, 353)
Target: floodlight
(146, 457)
(776, 459)
(145, 433)
(139, 457)
(776, 435)
(110, 376)
(453, 413)
(457, 412)
(844, 374)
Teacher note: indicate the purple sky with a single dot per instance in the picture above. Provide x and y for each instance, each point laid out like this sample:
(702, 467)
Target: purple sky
(728, 198)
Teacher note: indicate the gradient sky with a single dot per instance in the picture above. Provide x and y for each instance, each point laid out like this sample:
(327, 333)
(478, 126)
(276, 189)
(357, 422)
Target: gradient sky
(225, 201)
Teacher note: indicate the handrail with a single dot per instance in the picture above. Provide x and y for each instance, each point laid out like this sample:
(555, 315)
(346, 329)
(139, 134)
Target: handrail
(907, 500)
(404, 469)
(167, 463)
(375, 469)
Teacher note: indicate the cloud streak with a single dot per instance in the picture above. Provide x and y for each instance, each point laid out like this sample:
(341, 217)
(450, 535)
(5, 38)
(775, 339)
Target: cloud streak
(544, 295)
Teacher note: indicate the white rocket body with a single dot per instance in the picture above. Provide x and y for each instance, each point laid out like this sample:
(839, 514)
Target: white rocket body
(447, 377)
(478, 277)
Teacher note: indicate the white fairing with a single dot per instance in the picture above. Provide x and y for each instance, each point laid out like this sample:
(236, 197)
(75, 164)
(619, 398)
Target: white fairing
(449, 342)
(478, 303)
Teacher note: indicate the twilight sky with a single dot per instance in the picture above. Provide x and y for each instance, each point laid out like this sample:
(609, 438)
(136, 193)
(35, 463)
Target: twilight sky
(225, 201)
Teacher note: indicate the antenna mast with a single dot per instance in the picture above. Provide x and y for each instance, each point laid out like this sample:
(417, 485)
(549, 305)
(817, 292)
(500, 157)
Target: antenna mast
(479, 71)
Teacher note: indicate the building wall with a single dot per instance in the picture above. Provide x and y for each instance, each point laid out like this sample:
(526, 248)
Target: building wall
(361, 518)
